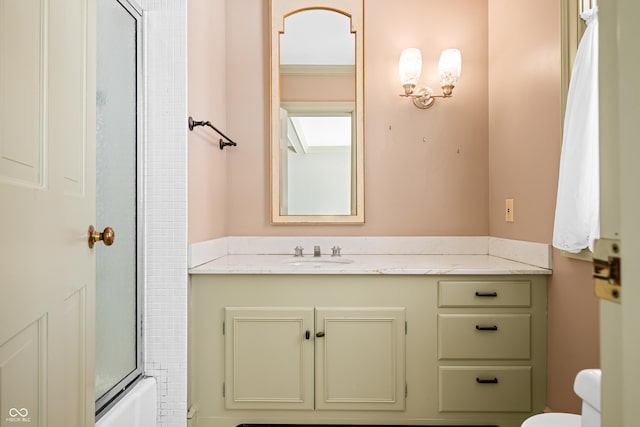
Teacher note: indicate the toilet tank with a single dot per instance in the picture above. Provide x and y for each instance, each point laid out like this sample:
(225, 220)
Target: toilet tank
(587, 386)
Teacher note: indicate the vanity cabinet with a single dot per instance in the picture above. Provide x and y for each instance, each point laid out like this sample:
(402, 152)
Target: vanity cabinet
(393, 349)
(314, 358)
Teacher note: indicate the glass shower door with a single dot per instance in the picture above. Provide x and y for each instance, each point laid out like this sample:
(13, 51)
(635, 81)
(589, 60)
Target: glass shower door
(118, 355)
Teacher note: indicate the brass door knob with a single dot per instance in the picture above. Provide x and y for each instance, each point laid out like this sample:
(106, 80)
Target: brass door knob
(108, 236)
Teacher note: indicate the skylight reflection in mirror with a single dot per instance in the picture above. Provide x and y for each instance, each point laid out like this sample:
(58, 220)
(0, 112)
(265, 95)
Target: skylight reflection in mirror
(312, 133)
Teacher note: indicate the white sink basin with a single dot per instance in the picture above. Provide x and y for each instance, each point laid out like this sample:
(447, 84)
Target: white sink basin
(317, 261)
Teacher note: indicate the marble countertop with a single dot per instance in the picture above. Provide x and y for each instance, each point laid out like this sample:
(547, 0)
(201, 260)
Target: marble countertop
(367, 264)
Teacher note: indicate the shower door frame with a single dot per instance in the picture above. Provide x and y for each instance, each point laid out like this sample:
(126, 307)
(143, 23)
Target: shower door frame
(105, 402)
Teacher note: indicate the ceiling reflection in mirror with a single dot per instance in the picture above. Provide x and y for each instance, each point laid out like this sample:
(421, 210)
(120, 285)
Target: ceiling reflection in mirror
(317, 140)
(317, 37)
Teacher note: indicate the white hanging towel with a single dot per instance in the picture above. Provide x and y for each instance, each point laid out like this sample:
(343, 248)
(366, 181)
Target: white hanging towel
(577, 220)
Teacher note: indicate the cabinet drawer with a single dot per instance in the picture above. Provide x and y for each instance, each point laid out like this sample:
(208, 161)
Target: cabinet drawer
(515, 293)
(484, 336)
(485, 389)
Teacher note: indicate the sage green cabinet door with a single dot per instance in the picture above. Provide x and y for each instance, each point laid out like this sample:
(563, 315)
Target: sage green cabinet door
(360, 359)
(268, 358)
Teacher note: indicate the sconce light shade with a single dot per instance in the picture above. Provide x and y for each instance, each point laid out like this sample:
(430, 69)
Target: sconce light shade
(449, 68)
(410, 66)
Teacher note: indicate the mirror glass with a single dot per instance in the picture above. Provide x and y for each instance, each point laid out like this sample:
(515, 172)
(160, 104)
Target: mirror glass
(316, 171)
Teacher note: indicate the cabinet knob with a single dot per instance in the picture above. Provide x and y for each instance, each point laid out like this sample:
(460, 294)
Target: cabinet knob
(307, 335)
(320, 334)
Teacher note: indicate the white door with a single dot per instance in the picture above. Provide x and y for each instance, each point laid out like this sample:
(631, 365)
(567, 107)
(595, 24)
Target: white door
(620, 206)
(47, 193)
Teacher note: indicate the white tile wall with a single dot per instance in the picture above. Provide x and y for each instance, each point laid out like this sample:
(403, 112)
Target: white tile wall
(165, 204)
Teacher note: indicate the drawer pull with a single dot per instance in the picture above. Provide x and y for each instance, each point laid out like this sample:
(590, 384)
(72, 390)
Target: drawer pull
(486, 294)
(487, 328)
(491, 381)
(320, 334)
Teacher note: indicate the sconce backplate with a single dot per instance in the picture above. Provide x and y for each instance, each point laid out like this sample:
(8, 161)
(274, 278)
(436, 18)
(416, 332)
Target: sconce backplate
(423, 98)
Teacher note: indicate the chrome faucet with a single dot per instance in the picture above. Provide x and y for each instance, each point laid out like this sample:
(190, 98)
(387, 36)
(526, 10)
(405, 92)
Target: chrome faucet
(298, 251)
(335, 251)
(316, 251)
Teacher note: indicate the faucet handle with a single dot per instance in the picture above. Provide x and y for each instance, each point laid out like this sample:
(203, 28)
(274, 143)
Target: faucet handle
(298, 251)
(335, 251)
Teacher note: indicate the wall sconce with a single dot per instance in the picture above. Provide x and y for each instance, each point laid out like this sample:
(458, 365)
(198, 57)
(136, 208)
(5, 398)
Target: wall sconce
(410, 67)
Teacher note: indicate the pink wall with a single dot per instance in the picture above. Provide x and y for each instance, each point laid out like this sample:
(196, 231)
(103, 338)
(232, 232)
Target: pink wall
(524, 146)
(524, 116)
(573, 332)
(437, 187)
(207, 101)
(317, 88)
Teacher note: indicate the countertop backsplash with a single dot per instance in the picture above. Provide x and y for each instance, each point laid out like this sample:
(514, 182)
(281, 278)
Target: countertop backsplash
(383, 255)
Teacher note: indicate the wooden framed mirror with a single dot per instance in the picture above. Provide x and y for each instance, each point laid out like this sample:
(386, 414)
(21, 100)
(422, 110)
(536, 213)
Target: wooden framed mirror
(317, 125)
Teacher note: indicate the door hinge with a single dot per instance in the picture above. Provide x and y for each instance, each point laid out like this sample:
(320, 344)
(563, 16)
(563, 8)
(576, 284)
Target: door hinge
(607, 269)
(406, 390)
(223, 390)
(223, 328)
(406, 327)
